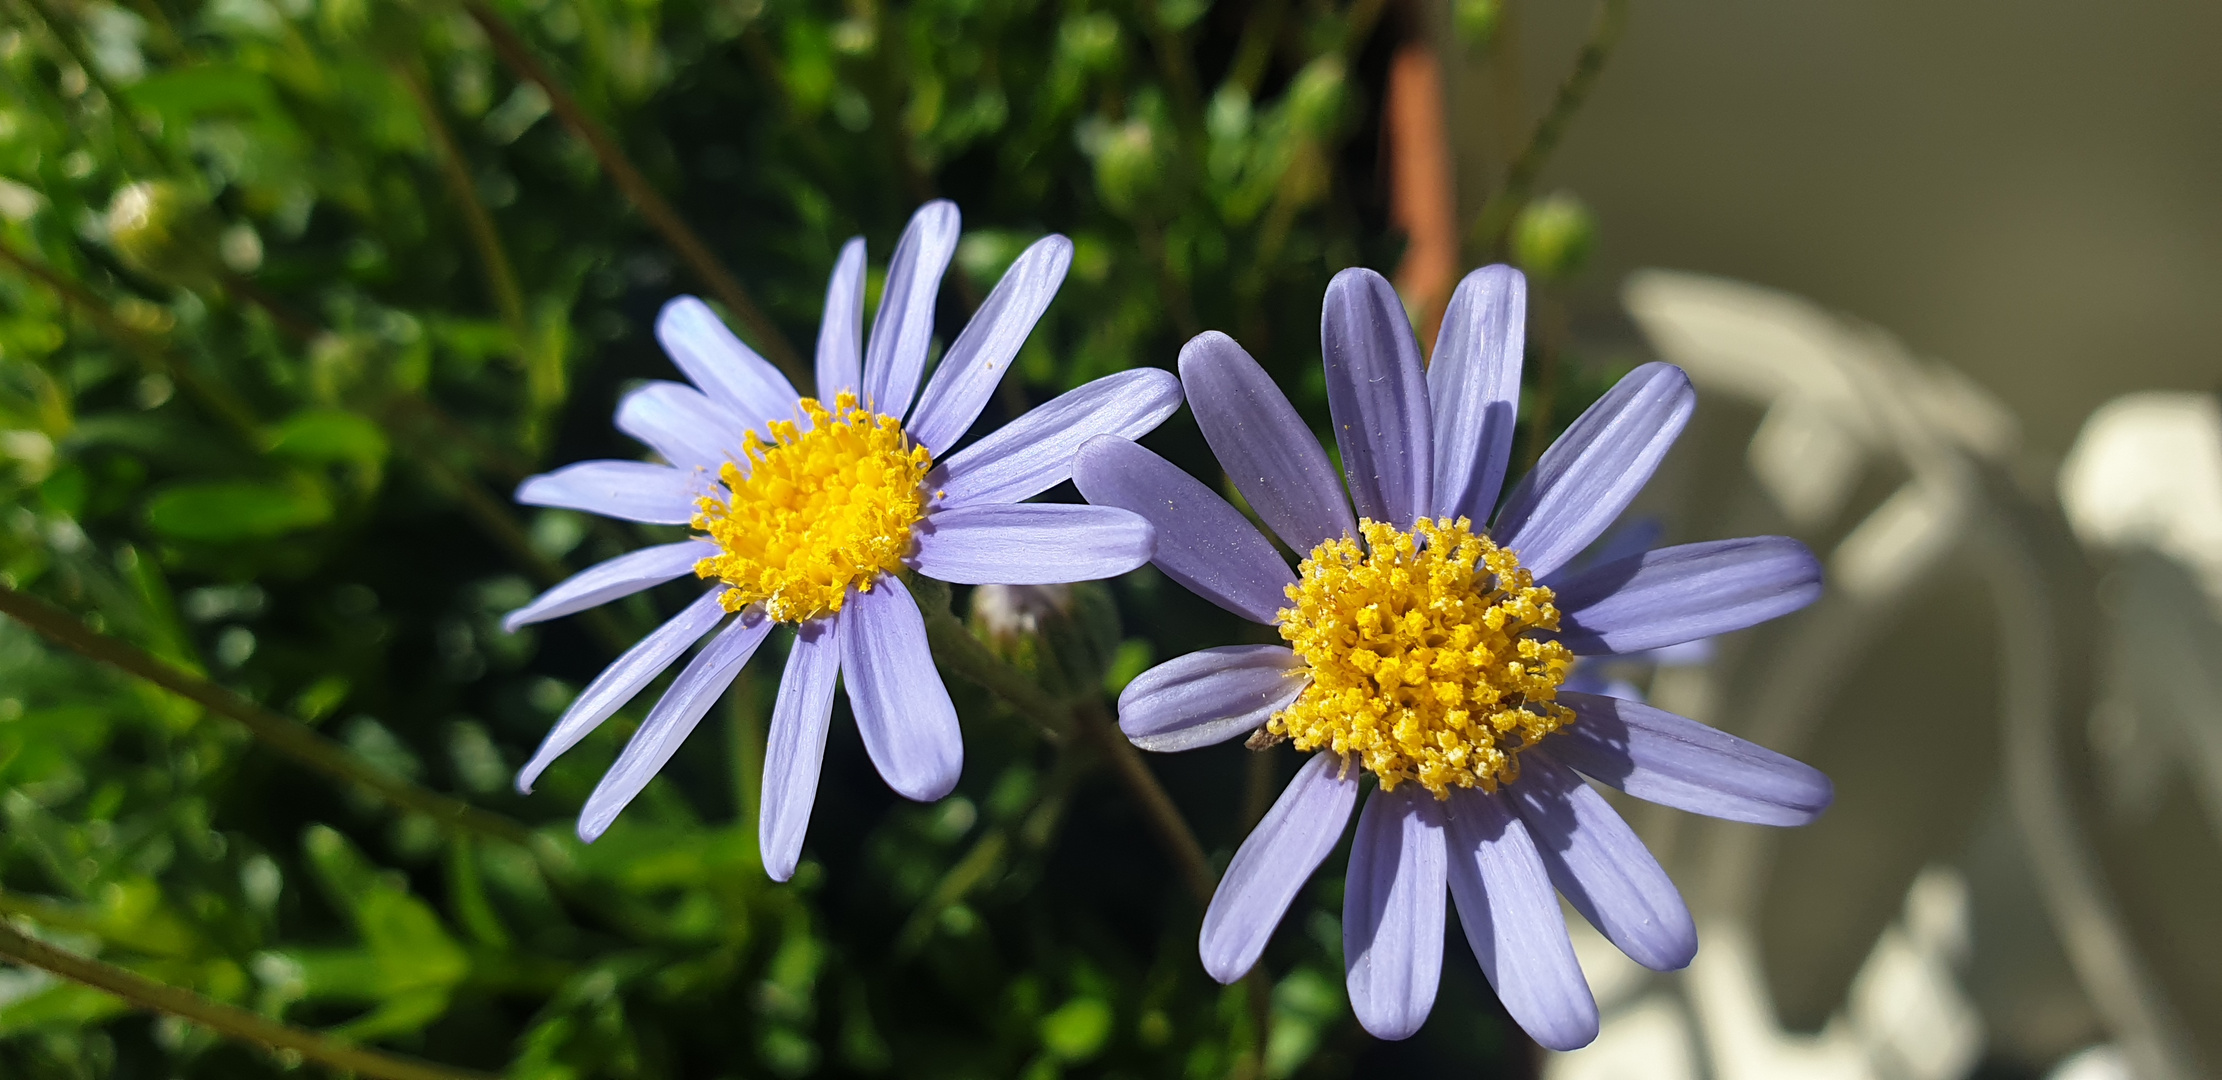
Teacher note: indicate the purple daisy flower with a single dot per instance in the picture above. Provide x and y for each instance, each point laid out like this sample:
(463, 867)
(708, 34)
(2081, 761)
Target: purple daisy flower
(809, 507)
(1427, 654)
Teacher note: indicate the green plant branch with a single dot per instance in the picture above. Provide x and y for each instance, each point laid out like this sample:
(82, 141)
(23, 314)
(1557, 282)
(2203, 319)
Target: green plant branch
(227, 1020)
(1358, 25)
(219, 401)
(1181, 84)
(961, 879)
(283, 735)
(493, 259)
(1151, 797)
(956, 649)
(518, 57)
(543, 368)
(491, 517)
(1487, 237)
(1254, 50)
(58, 29)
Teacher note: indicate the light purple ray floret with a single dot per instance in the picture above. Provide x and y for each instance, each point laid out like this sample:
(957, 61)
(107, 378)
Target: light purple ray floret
(1436, 443)
(974, 530)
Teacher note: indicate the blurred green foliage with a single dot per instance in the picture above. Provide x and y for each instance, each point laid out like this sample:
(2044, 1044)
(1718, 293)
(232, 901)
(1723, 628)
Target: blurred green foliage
(295, 290)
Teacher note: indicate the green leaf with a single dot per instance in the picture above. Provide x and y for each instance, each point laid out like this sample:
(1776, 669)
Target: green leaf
(1077, 1030)
(224, 511)
(329, 436)
(55, 1005)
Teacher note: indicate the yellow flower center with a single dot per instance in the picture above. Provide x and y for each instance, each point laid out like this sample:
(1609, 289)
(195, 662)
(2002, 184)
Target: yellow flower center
(819, 510)
(1423, 657)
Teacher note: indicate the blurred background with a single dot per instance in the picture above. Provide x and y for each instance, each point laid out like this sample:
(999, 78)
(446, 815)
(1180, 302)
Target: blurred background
(293, 291)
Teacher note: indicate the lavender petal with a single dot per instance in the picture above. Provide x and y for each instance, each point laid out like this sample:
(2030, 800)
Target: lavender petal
(1273, 863)
(1599, 864)
(1677, 594)
(1674, 761)
(795, 749)
(606, 581)
(627, 490)
(1473, 382)
(1392, 912)
(724, 368)
(973, 366)
(672, 720)
(682, 424)
(1267, 451)
(1592, 472)
(902, 709)
(1513, 924)
(1034, 453)
(1209, 696)
(895, 356)
(840, 361)
(1377, 397)
(1203, 543)
(618, 682)
(1030, 544)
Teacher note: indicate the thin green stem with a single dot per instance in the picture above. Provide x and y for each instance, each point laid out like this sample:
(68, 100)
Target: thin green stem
(1254, 50)
(745, 724)
(279, 733)
(227, 1020)
(493, 259)
(1156, 804)
(1358, 25)
(544, 373)
(1170, 47)
(218, 400)
(1549, 341)
(1258, 988)
(1487, 236)
(58, 29)
(518, 57)
(967, 874)
(956, 649)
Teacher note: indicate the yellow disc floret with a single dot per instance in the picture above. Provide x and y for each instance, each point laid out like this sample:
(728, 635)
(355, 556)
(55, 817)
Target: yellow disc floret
(819, 510)
(1424, 656)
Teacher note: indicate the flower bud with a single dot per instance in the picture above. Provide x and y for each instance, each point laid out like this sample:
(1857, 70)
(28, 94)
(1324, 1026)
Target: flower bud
(1552, 237)
(1063, 635)
(1476, 21)
(1315, 97)
(161, 230)
(1129, 174)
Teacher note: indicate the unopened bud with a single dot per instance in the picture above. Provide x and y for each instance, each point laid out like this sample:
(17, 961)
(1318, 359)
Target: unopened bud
(1064, 635)
(1552, 237)
(1315, 97)
(161, 230)
(1476, 21)
(1129, 172)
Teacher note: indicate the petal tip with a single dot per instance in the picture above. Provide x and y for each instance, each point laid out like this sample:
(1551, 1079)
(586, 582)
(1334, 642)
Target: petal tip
(593, 825)
(1392, 1028)
(1225, 970)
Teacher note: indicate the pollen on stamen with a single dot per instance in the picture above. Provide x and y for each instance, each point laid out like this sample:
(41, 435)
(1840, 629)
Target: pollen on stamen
(1424, 656)
(820, 511)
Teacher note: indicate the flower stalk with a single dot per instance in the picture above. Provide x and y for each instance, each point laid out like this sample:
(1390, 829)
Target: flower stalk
(227, 1020)
(279, 733)
(518, 57)
(958, 651)
(1487, 237)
